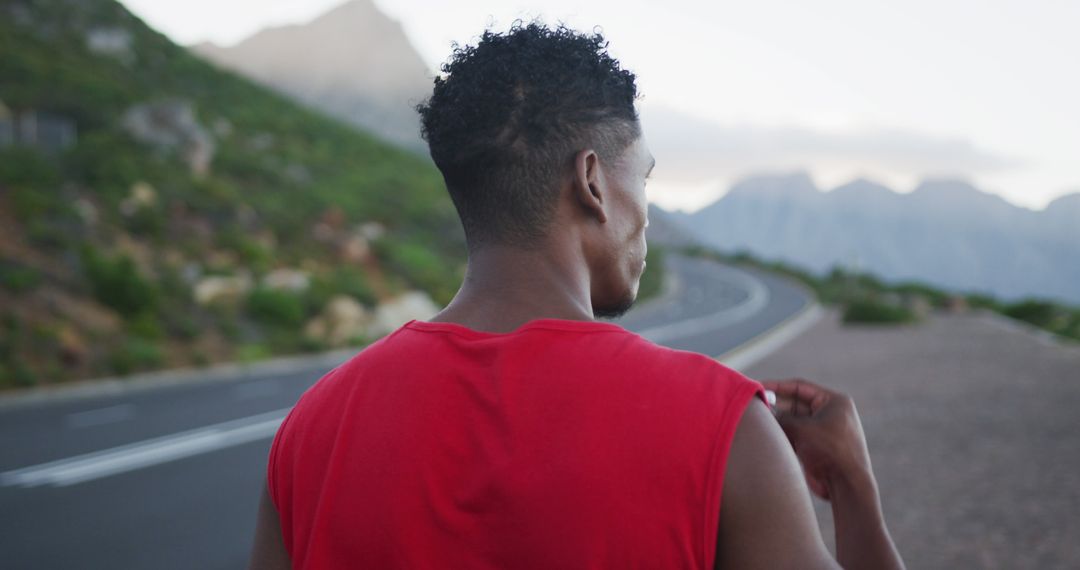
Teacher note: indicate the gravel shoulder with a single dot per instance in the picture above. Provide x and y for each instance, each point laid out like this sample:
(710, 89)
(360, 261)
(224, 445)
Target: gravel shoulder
(973, 426)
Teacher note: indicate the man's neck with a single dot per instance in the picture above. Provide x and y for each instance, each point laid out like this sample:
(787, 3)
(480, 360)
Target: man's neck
(506, 287)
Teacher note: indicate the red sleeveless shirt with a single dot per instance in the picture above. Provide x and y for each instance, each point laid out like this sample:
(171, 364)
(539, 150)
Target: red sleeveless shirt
(563, 444)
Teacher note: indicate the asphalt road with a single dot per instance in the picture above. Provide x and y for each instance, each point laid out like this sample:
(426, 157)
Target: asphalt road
(170, 477)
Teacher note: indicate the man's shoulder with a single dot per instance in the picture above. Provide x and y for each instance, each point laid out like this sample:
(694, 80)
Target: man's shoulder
(331, 384)
(681, 359)
(692, 372)
(624, 351)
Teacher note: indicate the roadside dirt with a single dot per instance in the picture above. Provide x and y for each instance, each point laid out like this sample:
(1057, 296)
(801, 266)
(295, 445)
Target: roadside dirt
(974, 432)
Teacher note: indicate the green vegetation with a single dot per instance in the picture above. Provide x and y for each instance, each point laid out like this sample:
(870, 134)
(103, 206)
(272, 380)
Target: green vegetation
(135, 355)
(14, 371)
(418, 264)
(119, 231)
(18, 279)
(344, 280)
(652, 280)
(253, 352)
(276, 308)
(21, 344)
(1058, 319)
(1042, 314)
(116, 283)
(863, 298)
(875, 311)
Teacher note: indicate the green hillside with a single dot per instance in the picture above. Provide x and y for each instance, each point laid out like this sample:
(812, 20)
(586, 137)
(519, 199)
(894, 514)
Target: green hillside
(158, 212)
(154, 173)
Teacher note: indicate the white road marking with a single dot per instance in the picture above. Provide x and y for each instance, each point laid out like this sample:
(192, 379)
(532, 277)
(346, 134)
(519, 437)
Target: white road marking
(757, 299)
(124, 458)
(100, 416)
(753, 350)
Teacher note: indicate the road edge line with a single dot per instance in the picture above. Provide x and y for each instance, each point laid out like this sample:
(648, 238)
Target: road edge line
(752, 351)
(225, 372)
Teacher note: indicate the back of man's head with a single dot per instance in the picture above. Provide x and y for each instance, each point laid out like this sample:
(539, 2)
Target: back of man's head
(507, 117)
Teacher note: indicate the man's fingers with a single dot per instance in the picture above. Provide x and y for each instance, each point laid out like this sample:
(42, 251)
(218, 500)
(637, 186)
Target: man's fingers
(804, 406)
(797, 395)
(794, 407)
(773, 385)
(783, 406)
(791, 422)
(817, 486)
(792, 402)
(800, 387)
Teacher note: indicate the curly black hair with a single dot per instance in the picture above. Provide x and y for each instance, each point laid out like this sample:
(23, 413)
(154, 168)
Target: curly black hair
(507, 117)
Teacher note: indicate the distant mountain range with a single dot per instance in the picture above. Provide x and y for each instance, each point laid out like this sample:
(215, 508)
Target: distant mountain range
(352, 63)
(666, 229)
(946, 233)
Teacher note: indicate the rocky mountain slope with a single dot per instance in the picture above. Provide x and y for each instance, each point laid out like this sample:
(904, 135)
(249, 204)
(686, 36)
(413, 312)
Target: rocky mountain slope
(946, 232)
(156, 211)
(353, 63)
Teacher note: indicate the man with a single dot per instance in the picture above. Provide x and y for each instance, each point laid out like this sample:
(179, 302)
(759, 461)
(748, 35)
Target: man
(513, 430)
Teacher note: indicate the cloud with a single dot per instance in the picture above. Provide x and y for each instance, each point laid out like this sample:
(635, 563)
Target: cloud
(690, 150)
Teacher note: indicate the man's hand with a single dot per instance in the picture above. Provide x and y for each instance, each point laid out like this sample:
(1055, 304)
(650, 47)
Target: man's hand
(825, 432)
(827, 436)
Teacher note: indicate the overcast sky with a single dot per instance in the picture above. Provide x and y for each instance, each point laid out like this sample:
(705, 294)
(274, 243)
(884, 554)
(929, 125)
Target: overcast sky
(986, 90)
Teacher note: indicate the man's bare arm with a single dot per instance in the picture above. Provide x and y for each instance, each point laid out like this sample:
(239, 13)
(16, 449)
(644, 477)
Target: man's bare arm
(766, 517)
(268, 552)
(826, 434)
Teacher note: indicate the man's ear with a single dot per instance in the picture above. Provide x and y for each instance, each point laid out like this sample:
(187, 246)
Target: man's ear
(588, 186)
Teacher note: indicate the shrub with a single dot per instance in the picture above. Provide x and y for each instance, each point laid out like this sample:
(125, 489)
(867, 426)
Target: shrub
(172, 286)
(281, 340)
(15, 373)
(200, 359)
(874, 311)
(19, 279)
(421, 266)
(116, 283)
(935, 296)
(32, 181)
(343, 280)
(275, 308)
(147, 222)
(250, 252)
(33, 203)
(252, 352)
(230, 329)
(1072, 330)
(359, 340)
(308, 344)
(652, 280)
(1039, 313)
(109, 162)
(133, 355)
(983, 301)
(181, 324)
(146, 326)
(46, 234)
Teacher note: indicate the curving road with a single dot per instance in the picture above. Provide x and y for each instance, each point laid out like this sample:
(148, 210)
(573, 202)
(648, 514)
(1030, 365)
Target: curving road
(169, 476)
